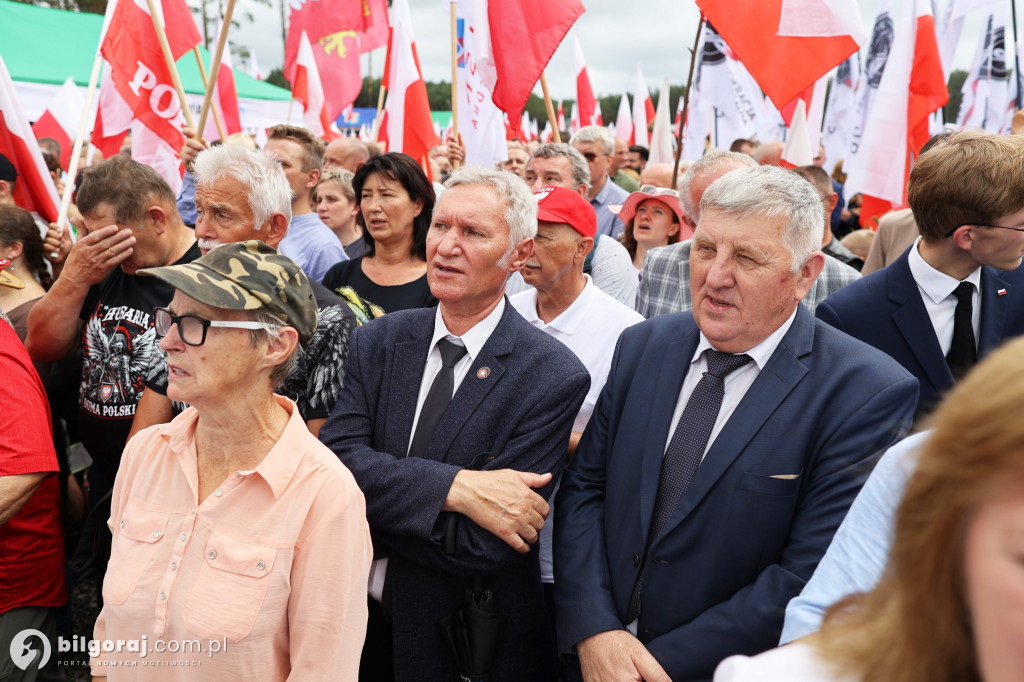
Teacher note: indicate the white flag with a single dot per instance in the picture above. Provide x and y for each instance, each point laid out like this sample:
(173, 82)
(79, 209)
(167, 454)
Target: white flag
(984, 91)
(481, 124)
(839, 110)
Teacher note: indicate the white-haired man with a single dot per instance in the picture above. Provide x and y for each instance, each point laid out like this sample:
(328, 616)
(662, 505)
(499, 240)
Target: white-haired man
(665, 279)
(597, 145)
(724, 451)
(453, 421)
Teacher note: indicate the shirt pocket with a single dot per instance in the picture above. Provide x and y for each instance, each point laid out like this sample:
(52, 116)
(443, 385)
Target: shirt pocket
(138, 537)
(230, 589)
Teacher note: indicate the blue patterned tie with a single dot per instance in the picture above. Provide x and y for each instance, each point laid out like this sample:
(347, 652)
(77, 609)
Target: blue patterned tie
(686, 449)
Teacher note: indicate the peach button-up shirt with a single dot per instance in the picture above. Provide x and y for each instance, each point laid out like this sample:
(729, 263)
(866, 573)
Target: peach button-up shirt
(263, 580)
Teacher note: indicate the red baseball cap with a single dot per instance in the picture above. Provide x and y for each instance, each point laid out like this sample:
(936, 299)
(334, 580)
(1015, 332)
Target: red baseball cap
(563, 205)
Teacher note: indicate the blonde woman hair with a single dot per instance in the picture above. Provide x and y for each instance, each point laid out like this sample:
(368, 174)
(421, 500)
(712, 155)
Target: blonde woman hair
(915, 625)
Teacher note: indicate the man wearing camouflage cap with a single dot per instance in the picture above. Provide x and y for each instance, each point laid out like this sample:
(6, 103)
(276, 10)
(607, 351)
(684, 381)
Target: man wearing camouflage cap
(243, 194)
(261, 538)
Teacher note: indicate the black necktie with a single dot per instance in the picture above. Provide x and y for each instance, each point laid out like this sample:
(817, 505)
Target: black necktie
(686, 449)
(438, 397)
(962, 352)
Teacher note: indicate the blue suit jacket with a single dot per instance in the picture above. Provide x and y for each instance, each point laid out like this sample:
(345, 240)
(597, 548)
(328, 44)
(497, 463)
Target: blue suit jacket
(517, 415)
(885, 310)
(760, 512)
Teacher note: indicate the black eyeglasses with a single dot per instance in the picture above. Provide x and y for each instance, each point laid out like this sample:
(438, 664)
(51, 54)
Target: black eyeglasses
(192, 328)
(1000, 227)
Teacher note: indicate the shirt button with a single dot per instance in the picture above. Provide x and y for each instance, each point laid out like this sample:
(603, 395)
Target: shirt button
(163, 595)
(218, 493)
(636, 559)
(122, 523)
(261, 565)
(213, 554)
(157, 533)
(183, 536)
(193, 510)
(174, 565)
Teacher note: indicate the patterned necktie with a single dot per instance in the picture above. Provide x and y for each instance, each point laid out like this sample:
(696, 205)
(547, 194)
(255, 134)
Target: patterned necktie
(962, 352)
(686, 449)
(438, 397)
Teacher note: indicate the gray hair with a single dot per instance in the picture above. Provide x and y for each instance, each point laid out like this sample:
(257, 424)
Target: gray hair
(771, 192)
(271, 330)
(711, 164)
(595, 134)
(520, 204)
(268, 190)
(578, 164)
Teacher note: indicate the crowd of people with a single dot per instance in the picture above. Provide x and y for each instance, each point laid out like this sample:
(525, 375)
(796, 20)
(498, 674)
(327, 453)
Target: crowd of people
(347, 417)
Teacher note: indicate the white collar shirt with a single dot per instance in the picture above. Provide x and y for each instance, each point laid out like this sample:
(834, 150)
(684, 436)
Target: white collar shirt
(939, 300)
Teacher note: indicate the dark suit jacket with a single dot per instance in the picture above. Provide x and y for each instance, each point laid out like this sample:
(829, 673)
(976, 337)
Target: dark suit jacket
(517, 415)
(885, 310)
(760, 512)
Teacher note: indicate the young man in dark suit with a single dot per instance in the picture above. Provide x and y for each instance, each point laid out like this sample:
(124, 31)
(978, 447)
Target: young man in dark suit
(954, 295)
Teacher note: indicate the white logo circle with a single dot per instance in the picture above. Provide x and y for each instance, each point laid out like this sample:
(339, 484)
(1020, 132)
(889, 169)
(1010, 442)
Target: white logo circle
(24, 655)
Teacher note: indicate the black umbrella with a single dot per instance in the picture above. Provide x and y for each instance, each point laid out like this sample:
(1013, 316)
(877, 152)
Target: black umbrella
(473, 631)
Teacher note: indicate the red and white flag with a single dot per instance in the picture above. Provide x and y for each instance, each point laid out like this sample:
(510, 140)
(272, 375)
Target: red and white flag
(34, 189)
(142, 79)
(481, 124)
(643, 109)
(560, 117)
(226, 95)
(306, 88)
(60, 119)
(624, 121)
(574, 119)
(788, 44)
(524, 35)
(911, 88)
(409, 127)
(585, 100)
(113, 117)
(798, 150)
(661, 135)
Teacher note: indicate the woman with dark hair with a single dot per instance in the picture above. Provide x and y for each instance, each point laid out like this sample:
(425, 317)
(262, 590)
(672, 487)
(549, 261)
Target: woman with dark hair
(948, 605)
(21, 244)
(395, 201)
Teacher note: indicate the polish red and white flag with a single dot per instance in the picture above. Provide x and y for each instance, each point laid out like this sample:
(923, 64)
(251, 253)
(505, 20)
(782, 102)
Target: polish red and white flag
(643, 109)
(409, 126)
(624, 121)
(307, 89)
(33, 189)
(586, 103)
(60, 119)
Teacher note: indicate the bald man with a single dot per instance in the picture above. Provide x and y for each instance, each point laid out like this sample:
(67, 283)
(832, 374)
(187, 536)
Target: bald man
(657, 174)
(346, 152)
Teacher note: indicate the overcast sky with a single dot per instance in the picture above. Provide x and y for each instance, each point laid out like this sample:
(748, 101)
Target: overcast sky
(616, 36)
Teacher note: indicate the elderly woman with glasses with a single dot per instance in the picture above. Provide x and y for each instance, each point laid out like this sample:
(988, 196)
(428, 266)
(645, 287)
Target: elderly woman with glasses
(653, 217)
(234, 530)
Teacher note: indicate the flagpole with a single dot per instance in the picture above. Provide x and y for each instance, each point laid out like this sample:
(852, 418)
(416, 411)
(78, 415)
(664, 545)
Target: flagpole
(550, 108)
(686, 97)
(222, 40)
(169, 58)
(380, 108)
(291, 103)
(455, 82)
(1016, 53)
(216, 116)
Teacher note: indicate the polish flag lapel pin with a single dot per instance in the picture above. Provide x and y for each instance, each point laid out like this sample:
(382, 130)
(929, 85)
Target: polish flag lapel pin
(1000, 292)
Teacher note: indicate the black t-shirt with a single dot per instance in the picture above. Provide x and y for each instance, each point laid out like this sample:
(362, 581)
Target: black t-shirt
(319, 370)
(119, 348)
(349, 273)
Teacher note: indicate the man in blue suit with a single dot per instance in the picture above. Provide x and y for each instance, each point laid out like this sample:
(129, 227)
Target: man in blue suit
(954, 295)
(464, 497)
(723, 452)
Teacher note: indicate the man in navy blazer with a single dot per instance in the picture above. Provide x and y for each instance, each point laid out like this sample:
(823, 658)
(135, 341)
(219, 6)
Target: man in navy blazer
(967, 196)
(788, 451)
(467, 506)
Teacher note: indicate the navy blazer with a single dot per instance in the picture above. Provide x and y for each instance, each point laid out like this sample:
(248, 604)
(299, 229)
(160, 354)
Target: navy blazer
(885, 310)
(760, 511)
(514, 409)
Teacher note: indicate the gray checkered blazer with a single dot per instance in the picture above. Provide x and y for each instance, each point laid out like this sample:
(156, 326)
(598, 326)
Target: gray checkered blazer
(665, 281)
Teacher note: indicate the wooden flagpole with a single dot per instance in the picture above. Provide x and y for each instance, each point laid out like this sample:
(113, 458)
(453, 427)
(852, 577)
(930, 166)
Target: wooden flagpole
(455, 82)
(380, 108)
(169, 59)
(686, 98)
(216, 116)
(550, 108)
(222, 40)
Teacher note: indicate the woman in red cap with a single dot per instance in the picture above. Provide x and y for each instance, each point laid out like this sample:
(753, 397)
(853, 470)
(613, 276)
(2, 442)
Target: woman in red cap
(653, 217)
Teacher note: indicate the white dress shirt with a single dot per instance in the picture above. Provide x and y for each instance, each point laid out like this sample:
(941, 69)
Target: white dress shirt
(737, 382)
(937, 293)
(474, 341)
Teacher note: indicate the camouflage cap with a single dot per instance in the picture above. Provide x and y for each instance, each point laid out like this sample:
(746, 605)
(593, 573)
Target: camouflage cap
(247, 276)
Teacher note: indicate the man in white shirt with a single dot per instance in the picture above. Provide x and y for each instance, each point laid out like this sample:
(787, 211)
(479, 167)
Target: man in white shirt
(565, 304)
(958, 292)
(454, 422)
